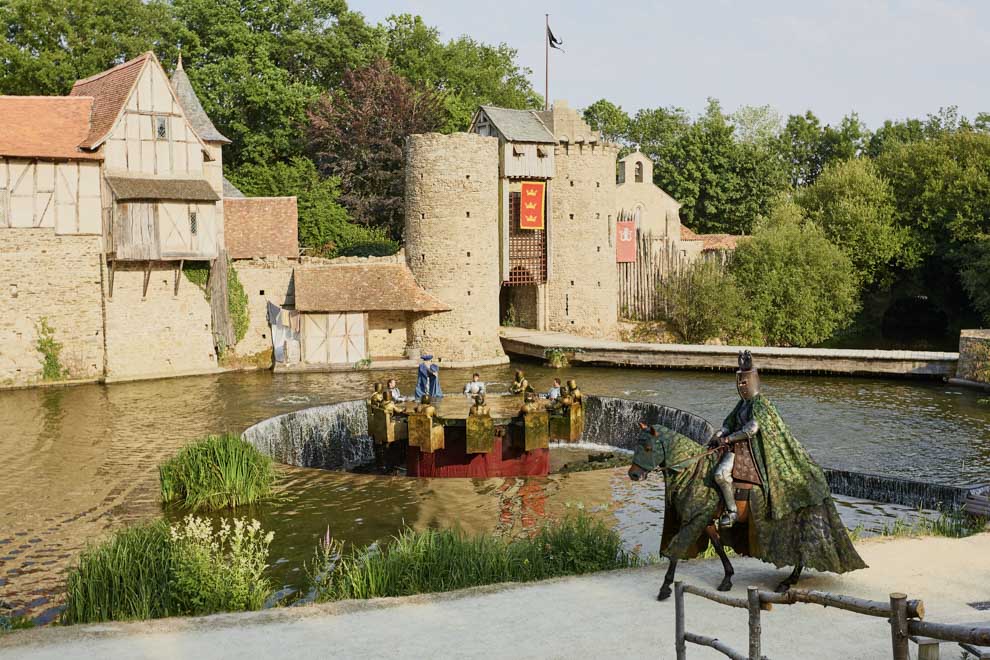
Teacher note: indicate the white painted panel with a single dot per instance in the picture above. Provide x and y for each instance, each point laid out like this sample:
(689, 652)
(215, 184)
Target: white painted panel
(177, 129)
(4, 206)
(132, 103)
(115, 154)
(147, 157)
(357, 348)
(3, 173)
(179, 152)
(337, 339)
(44, 209)
(207, 230)
(146, 124)
(163, 156)
(45, 181)
(66, 189)
(89, 180)
(144, 90)
(173, 227)
(314, 336)
(90, 215)
(133, 155)
(21, 211)
(195, 158)
(22, 178)
(133, 123)
(160, 89)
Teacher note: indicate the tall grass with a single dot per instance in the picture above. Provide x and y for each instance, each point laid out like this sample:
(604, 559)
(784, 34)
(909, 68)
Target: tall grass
(126, 577)
(433, 560)
(221, 471)
(953, 524)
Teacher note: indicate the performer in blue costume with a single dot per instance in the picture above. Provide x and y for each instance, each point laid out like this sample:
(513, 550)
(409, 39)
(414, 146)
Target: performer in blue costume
(435, 392)
(423, 378)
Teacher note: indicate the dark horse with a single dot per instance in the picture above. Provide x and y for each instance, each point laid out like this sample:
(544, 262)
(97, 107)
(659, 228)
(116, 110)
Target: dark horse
(692, 505)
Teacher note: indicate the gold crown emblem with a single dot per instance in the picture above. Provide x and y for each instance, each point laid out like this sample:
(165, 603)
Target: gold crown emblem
(531, 206)
(530, 218)
(531, 192)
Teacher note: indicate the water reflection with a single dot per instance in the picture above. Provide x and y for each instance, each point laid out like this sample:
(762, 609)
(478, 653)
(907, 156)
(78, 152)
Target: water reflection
(82, 461)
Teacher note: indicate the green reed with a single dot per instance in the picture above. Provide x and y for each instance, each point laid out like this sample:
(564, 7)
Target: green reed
(953, 524)
(218, 472)
(126, 577)
(433, 560)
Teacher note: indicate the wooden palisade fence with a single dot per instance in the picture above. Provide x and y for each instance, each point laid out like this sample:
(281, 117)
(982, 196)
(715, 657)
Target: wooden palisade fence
(905, 618)
(639, 281)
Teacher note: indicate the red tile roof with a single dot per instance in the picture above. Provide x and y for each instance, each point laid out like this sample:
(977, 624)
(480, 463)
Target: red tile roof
(711, 241)
(370, 287)
(688, 235)
(110, 91)
(261, 227)
(45, 126)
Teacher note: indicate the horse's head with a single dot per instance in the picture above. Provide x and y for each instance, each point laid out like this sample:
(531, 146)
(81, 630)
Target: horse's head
(651, 451)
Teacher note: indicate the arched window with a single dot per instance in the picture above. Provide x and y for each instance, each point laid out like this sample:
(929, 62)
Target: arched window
(639, 171)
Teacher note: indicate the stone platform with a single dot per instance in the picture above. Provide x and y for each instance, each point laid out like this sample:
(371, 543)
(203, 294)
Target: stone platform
(582, 350)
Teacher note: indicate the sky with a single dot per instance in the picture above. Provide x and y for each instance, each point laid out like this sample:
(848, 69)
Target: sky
(882, 59)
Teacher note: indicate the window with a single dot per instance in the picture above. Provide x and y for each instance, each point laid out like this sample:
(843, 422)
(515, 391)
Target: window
(193, 223)
(639, 171)
(161, 127)
(620, 173)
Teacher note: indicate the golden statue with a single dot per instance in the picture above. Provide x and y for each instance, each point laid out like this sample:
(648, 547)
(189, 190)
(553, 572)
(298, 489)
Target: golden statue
(425, 406)
(520, 384)
(388, 404)
(572, 389)
(529, 403)
(479, 408)
(377, 397)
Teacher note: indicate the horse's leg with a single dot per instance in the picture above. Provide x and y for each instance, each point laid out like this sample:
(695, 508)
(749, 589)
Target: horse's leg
(791, 579)
(716, 540)
(668, 579)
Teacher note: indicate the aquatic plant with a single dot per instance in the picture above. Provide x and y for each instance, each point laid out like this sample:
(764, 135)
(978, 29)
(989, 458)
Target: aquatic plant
(433, 560)
(153, 570)
(954, 524)
(16, 622)
(220, 471)
(51, 350)
(128, 576)
(556, 358)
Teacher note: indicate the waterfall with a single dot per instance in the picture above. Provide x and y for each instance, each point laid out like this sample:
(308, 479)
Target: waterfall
(894, 490)
(332, 437)
(611, 421)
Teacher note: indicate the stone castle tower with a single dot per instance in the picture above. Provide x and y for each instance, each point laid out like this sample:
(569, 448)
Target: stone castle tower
(452, 244)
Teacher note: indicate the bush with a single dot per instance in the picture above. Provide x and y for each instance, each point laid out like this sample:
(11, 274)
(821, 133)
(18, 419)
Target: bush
(222, 571)
(128, 576)
(702, 301)
(198, 272)
(153, 571)
(443, 560)
(800, 288)
(221, 471)
(51, 351)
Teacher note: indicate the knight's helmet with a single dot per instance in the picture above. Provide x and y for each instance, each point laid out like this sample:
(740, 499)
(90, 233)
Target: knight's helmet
(530, 395)
(747, 377)
(378, 388)
(519, 375)
(479, 399)
(426, 400)
(388, 395)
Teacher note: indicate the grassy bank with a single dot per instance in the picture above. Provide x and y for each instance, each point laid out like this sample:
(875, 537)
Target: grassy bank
(218, 472)
(415, 562)
(153, 570)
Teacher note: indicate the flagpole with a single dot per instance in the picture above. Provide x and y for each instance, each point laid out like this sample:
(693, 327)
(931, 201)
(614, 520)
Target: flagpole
(546, 70)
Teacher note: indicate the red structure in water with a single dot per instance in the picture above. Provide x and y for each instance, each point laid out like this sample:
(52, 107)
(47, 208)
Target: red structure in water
(454, 461)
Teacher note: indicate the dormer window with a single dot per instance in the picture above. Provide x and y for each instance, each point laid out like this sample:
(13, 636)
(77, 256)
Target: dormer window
(517, 150)
(193, 223)
(639, 171)
(161, 127)
(541, 152)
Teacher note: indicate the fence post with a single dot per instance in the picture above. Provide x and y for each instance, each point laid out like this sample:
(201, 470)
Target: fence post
(755, 628)
(899, 626)
(679, 644)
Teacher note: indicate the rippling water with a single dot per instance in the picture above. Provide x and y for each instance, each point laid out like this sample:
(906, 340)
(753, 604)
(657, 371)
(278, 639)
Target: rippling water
(81, 461)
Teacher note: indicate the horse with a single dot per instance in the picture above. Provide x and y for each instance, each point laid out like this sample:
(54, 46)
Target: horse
(692, 504)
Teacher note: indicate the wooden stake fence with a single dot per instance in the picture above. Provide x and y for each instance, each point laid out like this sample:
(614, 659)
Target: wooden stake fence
(903, 615)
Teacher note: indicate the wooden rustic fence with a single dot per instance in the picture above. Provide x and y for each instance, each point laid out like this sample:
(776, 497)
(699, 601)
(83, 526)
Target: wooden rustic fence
(639, 281)
(903, 615)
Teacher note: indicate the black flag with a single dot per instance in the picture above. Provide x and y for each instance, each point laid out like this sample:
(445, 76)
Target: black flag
(554, 41)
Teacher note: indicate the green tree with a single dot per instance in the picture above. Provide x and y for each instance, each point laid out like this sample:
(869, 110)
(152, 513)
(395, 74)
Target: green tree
(610, 119)
(702, 302)
(357, 134)
(975, 276)
(855, 208)
(808, 147)
(47, 46)
(463, 72)
(800, 288)
(756, 124)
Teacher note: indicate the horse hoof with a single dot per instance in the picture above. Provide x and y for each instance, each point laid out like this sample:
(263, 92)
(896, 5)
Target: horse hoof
(726, 585)
(664, 594)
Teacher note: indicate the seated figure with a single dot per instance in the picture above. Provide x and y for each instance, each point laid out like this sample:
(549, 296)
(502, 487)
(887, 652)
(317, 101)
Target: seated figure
(554, 392)
(377, 396)
(520, 384)
(479, 408)
(475, 386)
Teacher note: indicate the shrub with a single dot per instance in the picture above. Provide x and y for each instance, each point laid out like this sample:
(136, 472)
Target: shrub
(443, 560)
(800, 288)
(51, 350)
(198, 272)
(702, 301)
(221, 571)
(126, 577)
(221, 471)
(152, 571)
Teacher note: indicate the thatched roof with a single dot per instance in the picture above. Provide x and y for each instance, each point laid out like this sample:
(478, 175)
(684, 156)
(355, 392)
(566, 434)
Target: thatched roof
(372, 287)
(45, 127)
(191, 190)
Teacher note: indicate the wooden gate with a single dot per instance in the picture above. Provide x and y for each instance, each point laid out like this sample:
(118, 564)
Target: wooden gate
(334, 338)
(639, 281)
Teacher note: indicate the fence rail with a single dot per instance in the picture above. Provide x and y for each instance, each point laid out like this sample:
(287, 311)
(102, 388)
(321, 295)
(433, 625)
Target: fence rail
(904, 616)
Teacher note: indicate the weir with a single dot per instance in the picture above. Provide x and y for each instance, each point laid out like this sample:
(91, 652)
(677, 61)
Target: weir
(336, 437)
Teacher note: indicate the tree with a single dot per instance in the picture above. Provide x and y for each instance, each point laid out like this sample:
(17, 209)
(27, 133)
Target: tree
(800, 287)
(702, 302)
(357, 134)
(855, 208)
(47, 46)
(610, 119)
(463, 72)
(756, 124)
(975, 276)
(808, 147)
(323, 224)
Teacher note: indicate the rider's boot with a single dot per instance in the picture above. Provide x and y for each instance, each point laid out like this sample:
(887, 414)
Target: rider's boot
(723, 479)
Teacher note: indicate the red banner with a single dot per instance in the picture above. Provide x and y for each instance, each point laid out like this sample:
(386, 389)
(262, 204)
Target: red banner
(625, 242)
(531, 204)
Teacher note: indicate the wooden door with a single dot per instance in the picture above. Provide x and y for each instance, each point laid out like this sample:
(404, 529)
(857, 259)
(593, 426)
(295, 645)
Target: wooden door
(314, 335)
(357, 345)
(334, 338)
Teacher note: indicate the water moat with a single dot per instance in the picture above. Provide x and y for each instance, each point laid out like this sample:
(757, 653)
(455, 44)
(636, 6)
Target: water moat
(82, 461)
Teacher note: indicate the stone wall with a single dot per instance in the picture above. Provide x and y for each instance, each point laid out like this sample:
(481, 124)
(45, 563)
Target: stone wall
(159, 335)
(581, 289)
(452, 243)
(263, 280)
(56, 278)
(387, 334)
(974, 356)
